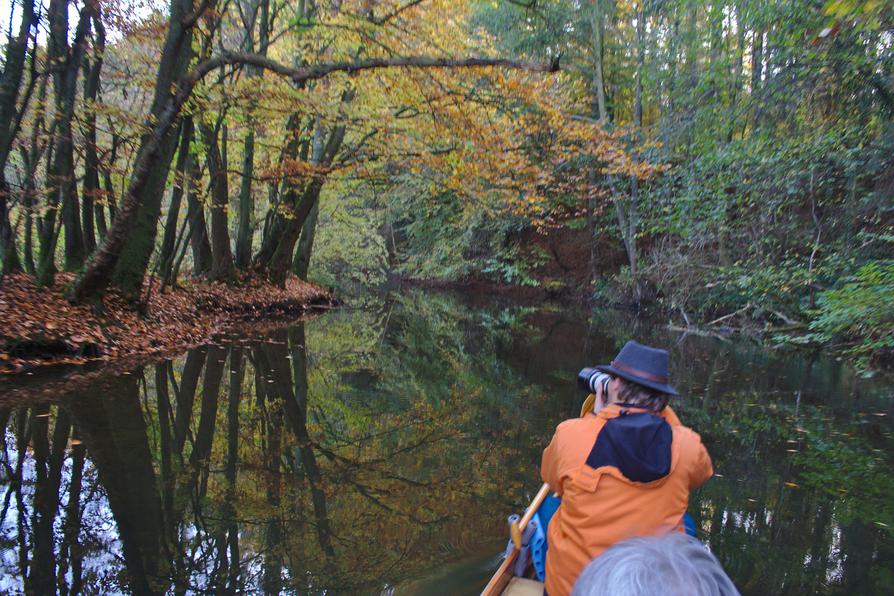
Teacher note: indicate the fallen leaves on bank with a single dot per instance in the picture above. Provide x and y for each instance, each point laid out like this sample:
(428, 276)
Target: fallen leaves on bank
(39, 326)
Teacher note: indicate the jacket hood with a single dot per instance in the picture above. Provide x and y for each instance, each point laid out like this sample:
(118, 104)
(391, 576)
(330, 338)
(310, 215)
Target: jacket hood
(638, 444)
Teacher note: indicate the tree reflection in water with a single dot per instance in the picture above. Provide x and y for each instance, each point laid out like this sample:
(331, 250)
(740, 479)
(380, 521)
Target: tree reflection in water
(391, 442)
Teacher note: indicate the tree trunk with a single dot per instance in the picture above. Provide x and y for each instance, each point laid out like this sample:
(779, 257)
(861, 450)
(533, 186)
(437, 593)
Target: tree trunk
(91, 160)
(306, 242)
(11, 262)
(181, 170)
(28, 204)
(599, 111)
(598, 27)
(221, 256)
(674, 60)
(757, 61)
(198, 235)
(110, 196)
(629, 231)
(246, 203)
(277, 250)
(61, 172)
(757, 72)
(715, 22)
(736, 85)
(31, 157)
(640, 65)
(10, 83)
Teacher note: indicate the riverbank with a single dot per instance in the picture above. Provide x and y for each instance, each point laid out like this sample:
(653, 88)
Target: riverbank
(40, 327)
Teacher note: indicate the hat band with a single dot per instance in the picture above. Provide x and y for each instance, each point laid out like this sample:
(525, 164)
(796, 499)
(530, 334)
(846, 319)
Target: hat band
(639, 373)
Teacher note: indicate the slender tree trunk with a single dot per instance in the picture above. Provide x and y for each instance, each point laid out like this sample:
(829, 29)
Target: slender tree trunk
(598, 31)
(110, 195)
(629, 231)
(246, 203)
(198, 235)
(640, 65)
(757, 72)
(10, 257)
(91, 160)
(10, 83)
(28, 205)
(597, 22)
(736, 85)
(61, 174)
(306, 242)
(673, 59)
(715, 22)
(181, 170)
(221, 256)
(31, 158)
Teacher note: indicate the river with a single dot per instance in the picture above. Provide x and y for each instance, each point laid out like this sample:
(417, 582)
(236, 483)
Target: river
(377, 449)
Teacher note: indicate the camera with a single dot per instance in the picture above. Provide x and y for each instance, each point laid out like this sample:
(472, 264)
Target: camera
(589, 379)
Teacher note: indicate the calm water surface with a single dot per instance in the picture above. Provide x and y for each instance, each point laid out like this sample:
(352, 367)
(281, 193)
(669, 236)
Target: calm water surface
(379, 448)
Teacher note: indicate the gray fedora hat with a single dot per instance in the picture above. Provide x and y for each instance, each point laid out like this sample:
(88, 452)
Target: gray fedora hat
(642, 365)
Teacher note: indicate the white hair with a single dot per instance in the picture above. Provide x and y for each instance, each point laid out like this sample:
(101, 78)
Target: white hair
(672, 565)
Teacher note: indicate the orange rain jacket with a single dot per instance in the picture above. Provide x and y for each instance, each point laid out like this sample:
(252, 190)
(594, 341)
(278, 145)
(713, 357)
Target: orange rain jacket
(634, 481)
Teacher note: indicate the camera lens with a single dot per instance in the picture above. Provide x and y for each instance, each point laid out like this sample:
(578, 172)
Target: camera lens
(588, 379)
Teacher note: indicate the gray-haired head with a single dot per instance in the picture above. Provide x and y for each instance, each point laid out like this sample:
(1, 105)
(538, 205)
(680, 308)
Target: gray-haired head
(674, 565)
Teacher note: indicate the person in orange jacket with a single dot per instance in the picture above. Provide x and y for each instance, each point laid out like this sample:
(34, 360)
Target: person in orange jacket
(623, 470)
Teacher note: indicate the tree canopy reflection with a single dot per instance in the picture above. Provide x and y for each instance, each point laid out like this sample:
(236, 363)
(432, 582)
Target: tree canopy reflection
(371, 447)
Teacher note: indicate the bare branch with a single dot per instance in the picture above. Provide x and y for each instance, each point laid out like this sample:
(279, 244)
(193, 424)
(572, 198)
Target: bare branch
(396, 12)
(308, 73)
(191, 19)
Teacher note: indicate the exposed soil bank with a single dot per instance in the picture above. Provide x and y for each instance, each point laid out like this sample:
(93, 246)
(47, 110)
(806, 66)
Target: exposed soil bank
(38, 326)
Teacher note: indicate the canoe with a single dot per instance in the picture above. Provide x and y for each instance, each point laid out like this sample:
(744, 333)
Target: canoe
(508, 580)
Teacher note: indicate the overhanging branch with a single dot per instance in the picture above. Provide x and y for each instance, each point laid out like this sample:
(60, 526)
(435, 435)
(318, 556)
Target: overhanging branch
(308, 73)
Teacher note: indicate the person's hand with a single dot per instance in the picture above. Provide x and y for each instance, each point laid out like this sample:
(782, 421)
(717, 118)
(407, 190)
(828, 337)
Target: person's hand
(598, 404)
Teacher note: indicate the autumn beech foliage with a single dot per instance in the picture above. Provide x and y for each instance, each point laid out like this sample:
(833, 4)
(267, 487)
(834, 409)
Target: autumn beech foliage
(358, 90)
(126, 250)
(530, 156)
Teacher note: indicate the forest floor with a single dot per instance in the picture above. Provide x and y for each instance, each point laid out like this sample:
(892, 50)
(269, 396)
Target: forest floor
(38, 326)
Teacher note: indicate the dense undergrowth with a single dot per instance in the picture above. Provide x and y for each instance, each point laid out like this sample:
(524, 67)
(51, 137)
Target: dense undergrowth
(789, 237)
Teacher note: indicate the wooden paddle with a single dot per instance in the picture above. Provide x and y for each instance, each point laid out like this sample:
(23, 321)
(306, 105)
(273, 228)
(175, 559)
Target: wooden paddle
(503, 575)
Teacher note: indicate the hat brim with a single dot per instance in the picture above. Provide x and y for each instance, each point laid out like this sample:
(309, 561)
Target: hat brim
(659, 387)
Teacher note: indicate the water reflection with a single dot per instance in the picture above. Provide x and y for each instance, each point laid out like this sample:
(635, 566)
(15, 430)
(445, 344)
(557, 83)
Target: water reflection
(378, 449)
